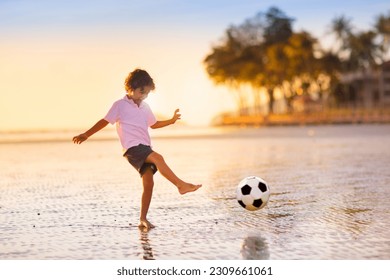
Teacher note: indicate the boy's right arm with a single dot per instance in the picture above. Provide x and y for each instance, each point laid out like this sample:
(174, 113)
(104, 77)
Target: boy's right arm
(84, 136)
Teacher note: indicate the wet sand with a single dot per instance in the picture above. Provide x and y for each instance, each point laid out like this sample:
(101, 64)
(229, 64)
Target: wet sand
(330, 197)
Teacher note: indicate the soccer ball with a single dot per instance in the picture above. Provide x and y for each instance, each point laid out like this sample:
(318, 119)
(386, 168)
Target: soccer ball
(253, 193)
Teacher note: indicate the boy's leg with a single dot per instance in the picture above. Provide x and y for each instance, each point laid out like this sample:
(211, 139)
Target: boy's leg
(148, 183)
(164, 169)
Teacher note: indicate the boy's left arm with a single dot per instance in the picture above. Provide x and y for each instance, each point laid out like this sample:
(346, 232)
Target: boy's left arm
(160, 124)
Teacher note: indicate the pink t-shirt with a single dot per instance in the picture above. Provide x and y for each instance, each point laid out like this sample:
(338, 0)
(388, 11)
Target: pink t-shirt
(132, 122)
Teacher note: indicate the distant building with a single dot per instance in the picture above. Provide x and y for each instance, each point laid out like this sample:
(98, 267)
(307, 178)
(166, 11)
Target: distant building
(369, 88)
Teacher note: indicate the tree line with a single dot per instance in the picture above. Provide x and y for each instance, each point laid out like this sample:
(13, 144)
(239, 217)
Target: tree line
(265, 55)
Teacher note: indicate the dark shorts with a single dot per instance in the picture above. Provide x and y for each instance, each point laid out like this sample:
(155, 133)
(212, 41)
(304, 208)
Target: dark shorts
(137, 155)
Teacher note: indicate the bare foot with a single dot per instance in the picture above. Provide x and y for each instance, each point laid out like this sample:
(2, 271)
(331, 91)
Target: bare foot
(145, 224)
(186, 187)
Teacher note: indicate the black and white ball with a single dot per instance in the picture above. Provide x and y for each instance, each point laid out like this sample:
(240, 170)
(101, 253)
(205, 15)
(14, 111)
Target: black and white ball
(253, 193)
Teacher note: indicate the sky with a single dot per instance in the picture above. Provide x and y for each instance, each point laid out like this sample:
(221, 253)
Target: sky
(63, 63)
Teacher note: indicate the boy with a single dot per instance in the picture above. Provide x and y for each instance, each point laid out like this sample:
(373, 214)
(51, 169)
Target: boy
(133, 116)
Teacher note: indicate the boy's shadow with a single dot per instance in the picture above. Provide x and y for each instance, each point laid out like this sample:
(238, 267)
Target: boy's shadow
(147, 249)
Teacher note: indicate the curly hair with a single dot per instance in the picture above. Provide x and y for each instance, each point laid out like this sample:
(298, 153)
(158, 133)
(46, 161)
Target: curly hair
(138, 79)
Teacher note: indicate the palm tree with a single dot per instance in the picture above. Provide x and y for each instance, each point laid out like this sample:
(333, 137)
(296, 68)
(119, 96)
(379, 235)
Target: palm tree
(382, 28)
(360, 51)
(365, 53)
(342, 28)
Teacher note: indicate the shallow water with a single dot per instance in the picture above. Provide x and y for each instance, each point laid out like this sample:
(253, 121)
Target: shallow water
(330, 197)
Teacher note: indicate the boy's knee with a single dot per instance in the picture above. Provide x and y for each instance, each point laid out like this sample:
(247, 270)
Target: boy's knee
(147, 177)
(149, 184)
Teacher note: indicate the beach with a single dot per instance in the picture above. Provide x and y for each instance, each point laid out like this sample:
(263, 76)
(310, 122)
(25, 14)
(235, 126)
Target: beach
(330, 191)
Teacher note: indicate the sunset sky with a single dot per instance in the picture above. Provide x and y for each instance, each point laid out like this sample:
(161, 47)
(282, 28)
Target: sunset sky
(63, 63)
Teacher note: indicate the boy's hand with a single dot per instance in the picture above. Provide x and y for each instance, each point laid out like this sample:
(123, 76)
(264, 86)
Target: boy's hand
(176, 116)
(159, 124)
(80, 138)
